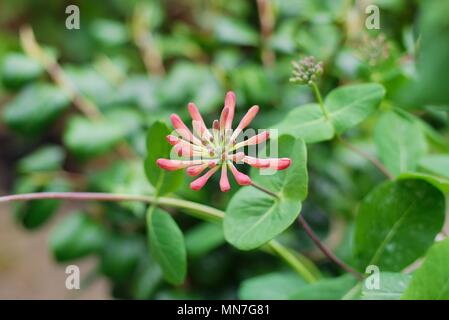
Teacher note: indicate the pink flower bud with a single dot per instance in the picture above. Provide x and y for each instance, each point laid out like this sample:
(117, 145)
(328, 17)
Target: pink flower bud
(172, 165)
(259, 138)
(196, 170)
(241, 178)
(198, 123)
(201, 181)
(172, 139)
(283, 163)
(224, 181)
(238, 157)
(223, 118)
(246, 120)
(230, 103)
(182, 129)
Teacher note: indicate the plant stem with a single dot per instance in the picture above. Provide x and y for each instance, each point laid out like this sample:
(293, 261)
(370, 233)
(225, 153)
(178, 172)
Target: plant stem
(267, 22)
(326, 250)
(143, 39)
(290, 258)
(195, 209)
(320, 100)
(57, 75)
(328, 253)
(263, 189)
(35, 51)
(368, 157)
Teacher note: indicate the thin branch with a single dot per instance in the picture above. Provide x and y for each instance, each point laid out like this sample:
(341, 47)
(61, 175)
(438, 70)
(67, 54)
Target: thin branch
(143, 38)
(263, 189)
(326, 251)
(56, 73)
(34, 50)
(267, 21)
(195, 209)
(368, 157)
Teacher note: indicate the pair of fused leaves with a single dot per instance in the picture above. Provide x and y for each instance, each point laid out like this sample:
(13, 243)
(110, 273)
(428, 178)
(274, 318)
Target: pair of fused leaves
(401, 144)
(253, 217)
(347, 106)
(166, 240)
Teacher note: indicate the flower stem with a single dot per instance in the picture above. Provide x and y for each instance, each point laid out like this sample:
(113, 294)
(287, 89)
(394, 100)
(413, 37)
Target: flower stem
(328, 253)
(263, 189)
(368, 157)
(194, 209)
(320, 100)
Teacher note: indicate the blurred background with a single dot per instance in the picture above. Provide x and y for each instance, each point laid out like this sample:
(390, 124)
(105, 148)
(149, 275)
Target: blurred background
(75, 106)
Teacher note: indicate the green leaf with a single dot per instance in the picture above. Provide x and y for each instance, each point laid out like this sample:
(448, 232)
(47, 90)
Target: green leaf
(76, 236)
(86, 138)
(272, 286)
(158, 147)
(400, 142)
(234, 31)
(440, 183)
(17, 69)
(46, 158)
(308, 123)
(35, 108)
(397, 222)
(146, 279)
(350, 105)
(204, 238)
(391, 286)
(436, 163)
(325, 289)
(293, 181)
(347, 106)
(431, 280)
(319, 40)
(109, 32)
(121, 255)
(253, 217)
(167, 245)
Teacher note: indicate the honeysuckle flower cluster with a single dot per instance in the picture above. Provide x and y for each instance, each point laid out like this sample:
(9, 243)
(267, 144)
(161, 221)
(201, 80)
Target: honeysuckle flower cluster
(306, 71)
(216, 149)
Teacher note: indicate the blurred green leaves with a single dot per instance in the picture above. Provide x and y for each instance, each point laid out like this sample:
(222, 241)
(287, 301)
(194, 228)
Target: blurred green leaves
(35, 108)
(88, 138)
(17, 70)
(272, 286)
(77, 236)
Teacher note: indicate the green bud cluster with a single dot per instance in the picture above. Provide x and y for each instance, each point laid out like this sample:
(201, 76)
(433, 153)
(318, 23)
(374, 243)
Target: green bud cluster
(306, 71)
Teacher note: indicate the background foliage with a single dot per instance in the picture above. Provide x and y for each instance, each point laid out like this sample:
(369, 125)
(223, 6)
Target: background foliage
(91, 122)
